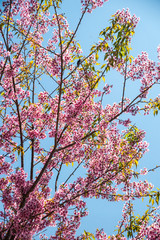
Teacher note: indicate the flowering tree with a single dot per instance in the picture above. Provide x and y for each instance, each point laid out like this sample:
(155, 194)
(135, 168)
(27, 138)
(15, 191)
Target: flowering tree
(53, 115)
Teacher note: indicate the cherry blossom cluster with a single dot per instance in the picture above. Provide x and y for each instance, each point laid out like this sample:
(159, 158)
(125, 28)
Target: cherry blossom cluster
(124, 16)
(144, 171)
(144, 69)
(92, 4)
(151, 231)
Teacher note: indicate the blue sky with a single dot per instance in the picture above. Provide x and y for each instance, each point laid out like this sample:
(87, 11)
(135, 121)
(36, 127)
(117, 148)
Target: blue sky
(147, 37)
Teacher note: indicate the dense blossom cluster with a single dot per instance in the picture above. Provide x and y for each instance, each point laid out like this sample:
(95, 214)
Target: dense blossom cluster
(90, 5)
(144, 69)
(124, 16)
(52, 116)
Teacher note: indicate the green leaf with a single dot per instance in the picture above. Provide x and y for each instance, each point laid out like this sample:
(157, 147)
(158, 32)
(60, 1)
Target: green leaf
(1, 25)
(79, 45)
(96, 56)
(103, 66)
(103, 78)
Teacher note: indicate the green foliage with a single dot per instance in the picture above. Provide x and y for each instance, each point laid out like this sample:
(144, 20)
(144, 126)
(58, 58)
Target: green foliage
(154, 105)
(154, 197)
(88, 236)
(46, 4)
(119, 35)
(134, 223)
(131, 136)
